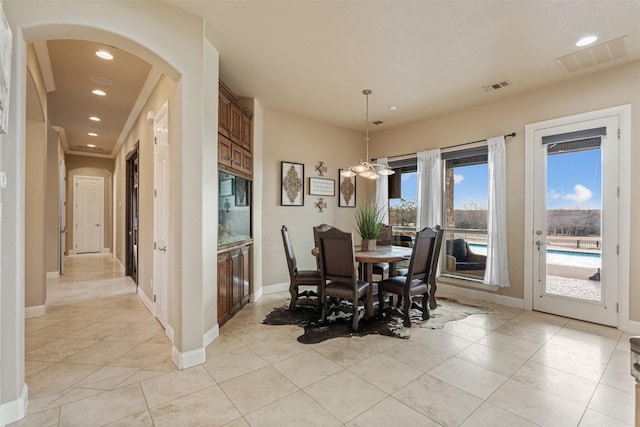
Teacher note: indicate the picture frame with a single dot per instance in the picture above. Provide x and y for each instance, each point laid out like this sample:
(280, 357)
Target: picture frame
(322, 187)
(291, 184)
(346, 191)
(5, 70)
(242, 192)
(226, 187)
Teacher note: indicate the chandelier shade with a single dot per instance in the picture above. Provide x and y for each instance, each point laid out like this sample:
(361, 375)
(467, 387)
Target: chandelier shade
(364, 168)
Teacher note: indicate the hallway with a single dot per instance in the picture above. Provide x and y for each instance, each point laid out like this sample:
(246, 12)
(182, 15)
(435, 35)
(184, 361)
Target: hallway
(99, 358)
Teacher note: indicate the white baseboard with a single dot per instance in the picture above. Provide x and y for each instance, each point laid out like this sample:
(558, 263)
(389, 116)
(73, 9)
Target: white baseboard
(480, 296)
(35, 311)
(169, 333)
(106, 250)
(15, 410)
(71, 252)
(122, 269)
(53, 274)
(188, 359)
(256, 295)
(146, 301)
(633, 327)
(278, 287)
(211, 335)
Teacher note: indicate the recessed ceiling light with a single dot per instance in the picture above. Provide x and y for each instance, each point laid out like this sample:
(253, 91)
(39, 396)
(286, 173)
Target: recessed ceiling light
(104, 55)
(94, 118)
(99, 92)
(92, 134)
(91, 145)
(101, 80)
(585, 41)
(393, 108)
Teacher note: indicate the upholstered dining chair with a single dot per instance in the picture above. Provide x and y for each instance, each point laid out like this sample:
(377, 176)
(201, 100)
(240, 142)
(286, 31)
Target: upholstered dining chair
(416, 282)
(297, 277)
(340, 277)
(385, 238)
(316, 238)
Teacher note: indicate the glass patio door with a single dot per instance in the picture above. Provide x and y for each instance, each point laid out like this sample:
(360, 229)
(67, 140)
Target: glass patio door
(575, 211)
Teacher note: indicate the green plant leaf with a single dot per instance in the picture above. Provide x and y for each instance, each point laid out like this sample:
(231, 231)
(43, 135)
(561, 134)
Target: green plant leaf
(369, 221)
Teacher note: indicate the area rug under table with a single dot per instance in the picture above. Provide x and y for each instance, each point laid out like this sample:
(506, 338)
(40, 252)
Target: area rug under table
(340, 326)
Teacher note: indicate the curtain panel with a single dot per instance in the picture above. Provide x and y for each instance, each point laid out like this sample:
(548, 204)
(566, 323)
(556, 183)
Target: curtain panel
(429, 212)
(382, 192)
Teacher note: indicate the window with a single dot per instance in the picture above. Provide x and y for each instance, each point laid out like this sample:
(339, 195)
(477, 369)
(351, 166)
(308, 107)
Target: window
(403, 200)
(466, 184)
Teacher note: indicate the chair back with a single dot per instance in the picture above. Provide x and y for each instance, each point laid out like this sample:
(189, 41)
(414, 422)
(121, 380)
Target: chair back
(316, 238)
(436, 253)
(385, 238)
(289, 253)
(337, 256)
(421, 262)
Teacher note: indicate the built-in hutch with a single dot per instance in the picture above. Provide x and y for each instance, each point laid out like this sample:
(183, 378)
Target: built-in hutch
(235, 164)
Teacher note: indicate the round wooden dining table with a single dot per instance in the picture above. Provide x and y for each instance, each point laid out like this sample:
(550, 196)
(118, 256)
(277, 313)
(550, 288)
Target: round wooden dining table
(383, 253)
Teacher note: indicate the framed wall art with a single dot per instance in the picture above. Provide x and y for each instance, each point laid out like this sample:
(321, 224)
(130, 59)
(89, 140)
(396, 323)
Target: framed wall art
(292, 191)
(347, 191)
(322, 187)
(226, 187)
(242, 192)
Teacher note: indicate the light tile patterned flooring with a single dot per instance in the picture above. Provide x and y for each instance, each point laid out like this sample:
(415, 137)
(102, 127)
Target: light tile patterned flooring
(99, 358)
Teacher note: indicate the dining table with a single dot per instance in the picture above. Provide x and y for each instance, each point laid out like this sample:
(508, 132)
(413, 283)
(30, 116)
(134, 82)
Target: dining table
(383, 253)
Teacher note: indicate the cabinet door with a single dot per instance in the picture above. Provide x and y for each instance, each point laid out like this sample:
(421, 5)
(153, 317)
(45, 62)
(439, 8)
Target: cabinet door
(246, 273)
(236, 157)
(224, 288)
(247, 163)
(224, 151)
(224, 113)
(236, 123)
(245, 137)
(237, 285)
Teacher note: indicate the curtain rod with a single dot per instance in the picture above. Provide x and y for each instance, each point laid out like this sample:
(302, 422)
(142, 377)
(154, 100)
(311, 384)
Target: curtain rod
(512, 134)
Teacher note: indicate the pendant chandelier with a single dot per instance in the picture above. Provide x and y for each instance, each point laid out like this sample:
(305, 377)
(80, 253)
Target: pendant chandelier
(364, 168)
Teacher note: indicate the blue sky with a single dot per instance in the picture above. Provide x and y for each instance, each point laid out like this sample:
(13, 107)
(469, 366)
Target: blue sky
(573, 180)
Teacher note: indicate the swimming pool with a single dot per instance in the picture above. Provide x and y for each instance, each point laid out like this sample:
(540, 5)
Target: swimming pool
(576, 259)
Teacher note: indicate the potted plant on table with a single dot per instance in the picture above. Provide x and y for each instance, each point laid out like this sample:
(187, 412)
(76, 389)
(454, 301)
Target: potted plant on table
(369, 223)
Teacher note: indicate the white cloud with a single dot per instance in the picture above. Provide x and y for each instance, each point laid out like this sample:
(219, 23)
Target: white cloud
(580, 194)
(457, 179)
(553, 194)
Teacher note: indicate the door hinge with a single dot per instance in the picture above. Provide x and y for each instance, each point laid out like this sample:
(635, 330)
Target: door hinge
(154, 245)
(154, 297)
(617, 307)
(618, 192)
(155, 140)
(619, 133)
(155, 193)
(617, 249)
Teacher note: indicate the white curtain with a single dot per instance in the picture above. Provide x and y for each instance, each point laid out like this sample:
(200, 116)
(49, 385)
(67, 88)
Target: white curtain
(429, 189)
(382, 192)
(497, 273)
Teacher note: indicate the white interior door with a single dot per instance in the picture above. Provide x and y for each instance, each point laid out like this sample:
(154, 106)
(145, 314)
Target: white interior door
(88, 213)
(161, 214)
(575, 213)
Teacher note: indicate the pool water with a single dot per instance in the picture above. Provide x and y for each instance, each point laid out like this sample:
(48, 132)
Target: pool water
(577, 259)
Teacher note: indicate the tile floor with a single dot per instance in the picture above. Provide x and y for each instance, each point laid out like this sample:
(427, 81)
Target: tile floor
(99, 358)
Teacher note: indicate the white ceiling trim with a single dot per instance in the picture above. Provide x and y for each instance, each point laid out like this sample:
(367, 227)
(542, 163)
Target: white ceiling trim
(42, 53)
(85, 153)
(62, 134)
(143, 96)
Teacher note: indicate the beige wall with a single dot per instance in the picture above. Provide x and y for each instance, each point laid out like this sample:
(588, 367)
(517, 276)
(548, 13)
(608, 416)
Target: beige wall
(96, 167)
(610, 88)
(35, 275)
(294, 139)
(52, 205)
(142, 134)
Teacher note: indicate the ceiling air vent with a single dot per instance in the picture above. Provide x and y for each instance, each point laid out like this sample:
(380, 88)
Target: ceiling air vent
(496, 86)
(595, 55)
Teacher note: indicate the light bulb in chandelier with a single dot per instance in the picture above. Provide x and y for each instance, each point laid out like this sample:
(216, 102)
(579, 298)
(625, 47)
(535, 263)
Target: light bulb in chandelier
(366, 169)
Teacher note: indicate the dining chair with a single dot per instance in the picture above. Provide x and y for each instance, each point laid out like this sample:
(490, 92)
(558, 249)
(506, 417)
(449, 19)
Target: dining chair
(316, 238)
(297, 277)
(416, 282)
(339, 276)
(385, 238)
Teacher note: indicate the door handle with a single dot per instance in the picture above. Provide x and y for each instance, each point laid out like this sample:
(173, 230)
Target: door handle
(539, 243)
(97, 225)
(163, 249)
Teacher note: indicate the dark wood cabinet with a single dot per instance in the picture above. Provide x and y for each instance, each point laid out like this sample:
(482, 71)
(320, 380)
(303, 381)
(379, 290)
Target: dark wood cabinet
(234, 134)
(234, 280)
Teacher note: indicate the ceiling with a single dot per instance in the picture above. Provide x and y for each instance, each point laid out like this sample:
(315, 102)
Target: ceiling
(314, 58)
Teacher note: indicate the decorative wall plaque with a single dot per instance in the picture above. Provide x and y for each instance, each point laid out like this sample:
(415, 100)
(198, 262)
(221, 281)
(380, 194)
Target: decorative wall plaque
(292, 184)
(347, 191)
